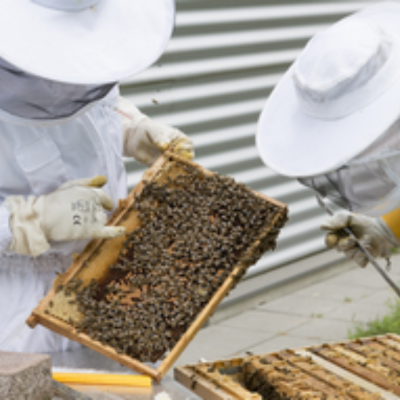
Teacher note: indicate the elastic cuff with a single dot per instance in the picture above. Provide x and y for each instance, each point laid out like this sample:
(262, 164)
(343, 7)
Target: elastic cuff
(392, 225)
(6, 236)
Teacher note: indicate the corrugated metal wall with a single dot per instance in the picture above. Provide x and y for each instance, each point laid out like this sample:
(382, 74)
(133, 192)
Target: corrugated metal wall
(222, 62)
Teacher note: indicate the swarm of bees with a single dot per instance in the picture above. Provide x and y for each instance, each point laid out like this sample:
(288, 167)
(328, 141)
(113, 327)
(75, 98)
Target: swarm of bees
(195, 229)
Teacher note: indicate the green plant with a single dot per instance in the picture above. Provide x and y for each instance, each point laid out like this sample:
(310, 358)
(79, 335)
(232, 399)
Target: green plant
(347, 299)
(390, 323)
(313, 315)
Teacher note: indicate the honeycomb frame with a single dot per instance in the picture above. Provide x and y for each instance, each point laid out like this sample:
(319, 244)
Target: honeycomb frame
(95, 260)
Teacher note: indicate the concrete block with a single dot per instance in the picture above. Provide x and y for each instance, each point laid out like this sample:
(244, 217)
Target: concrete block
(25, 376)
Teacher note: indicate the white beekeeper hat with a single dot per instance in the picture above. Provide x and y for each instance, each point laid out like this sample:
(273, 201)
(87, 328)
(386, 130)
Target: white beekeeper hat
(84, 41)
(338, 98)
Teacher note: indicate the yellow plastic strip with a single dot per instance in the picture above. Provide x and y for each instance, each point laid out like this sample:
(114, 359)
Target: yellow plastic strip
(102, 379)
(393, 222)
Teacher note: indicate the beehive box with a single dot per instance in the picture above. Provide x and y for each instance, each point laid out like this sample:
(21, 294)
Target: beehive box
(191, 235)
(363, 369)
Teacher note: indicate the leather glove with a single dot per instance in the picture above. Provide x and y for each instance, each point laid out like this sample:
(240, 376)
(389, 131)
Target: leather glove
(74, 211)
(146, 140)
(373, 233)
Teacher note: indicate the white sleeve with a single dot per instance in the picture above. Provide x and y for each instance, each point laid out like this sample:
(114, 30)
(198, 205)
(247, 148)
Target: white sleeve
(6, 236)
(131, 117)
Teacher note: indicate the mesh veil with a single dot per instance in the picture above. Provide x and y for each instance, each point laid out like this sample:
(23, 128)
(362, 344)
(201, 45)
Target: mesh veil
(31, 97)
(366, 181)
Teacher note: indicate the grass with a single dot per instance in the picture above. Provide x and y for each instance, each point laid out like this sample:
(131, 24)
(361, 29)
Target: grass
(347, 299)
(313, 315)
(390, 323)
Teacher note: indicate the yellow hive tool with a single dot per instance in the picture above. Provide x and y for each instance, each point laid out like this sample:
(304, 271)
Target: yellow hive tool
(74, 378)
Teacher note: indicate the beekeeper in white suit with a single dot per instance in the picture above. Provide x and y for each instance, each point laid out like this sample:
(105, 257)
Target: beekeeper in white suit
(333, 122)
(63, 130)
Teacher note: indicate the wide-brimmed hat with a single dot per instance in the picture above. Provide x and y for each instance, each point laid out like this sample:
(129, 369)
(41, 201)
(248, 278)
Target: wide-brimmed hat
(339, 96)
(85, 41)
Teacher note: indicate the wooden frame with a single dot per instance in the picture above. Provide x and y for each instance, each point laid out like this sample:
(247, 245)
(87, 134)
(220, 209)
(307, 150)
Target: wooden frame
(109, 250)
(206, 385)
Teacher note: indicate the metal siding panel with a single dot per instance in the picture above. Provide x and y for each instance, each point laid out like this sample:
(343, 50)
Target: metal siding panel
(222, 62)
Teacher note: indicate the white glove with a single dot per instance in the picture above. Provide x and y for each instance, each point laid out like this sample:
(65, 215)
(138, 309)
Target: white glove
(74, 211)
(373, 233)
(146, 140)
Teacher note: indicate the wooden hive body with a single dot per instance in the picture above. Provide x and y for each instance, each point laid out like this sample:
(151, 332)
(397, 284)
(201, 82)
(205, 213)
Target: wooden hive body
(59, 312)
(359, 369)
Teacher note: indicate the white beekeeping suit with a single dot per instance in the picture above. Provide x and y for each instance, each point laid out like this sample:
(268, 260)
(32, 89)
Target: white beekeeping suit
(63, 130)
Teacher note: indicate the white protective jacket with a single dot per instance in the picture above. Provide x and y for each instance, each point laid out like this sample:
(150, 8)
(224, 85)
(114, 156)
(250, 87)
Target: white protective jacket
(36, 157)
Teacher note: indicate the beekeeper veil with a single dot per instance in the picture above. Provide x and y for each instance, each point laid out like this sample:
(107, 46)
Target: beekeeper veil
(333, 120)
(31, 97)
(58, 55)
(369, 183)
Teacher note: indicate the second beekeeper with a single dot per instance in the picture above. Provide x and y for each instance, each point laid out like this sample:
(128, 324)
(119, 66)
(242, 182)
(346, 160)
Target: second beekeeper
(333, 122)
(63, 131)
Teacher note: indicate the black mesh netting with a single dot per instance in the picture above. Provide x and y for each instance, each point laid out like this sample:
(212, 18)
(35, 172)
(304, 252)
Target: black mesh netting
(28, 96)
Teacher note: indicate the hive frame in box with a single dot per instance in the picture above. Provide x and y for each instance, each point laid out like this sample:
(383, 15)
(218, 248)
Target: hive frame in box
(95, 247)
(202, 380)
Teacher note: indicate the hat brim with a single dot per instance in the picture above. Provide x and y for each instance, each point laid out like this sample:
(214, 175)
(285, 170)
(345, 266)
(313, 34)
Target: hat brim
(108, 42)
(296, 145)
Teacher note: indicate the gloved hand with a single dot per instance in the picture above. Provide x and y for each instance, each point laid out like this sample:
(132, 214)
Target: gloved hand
(74, 211)
(373, 233)
(146, 140)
